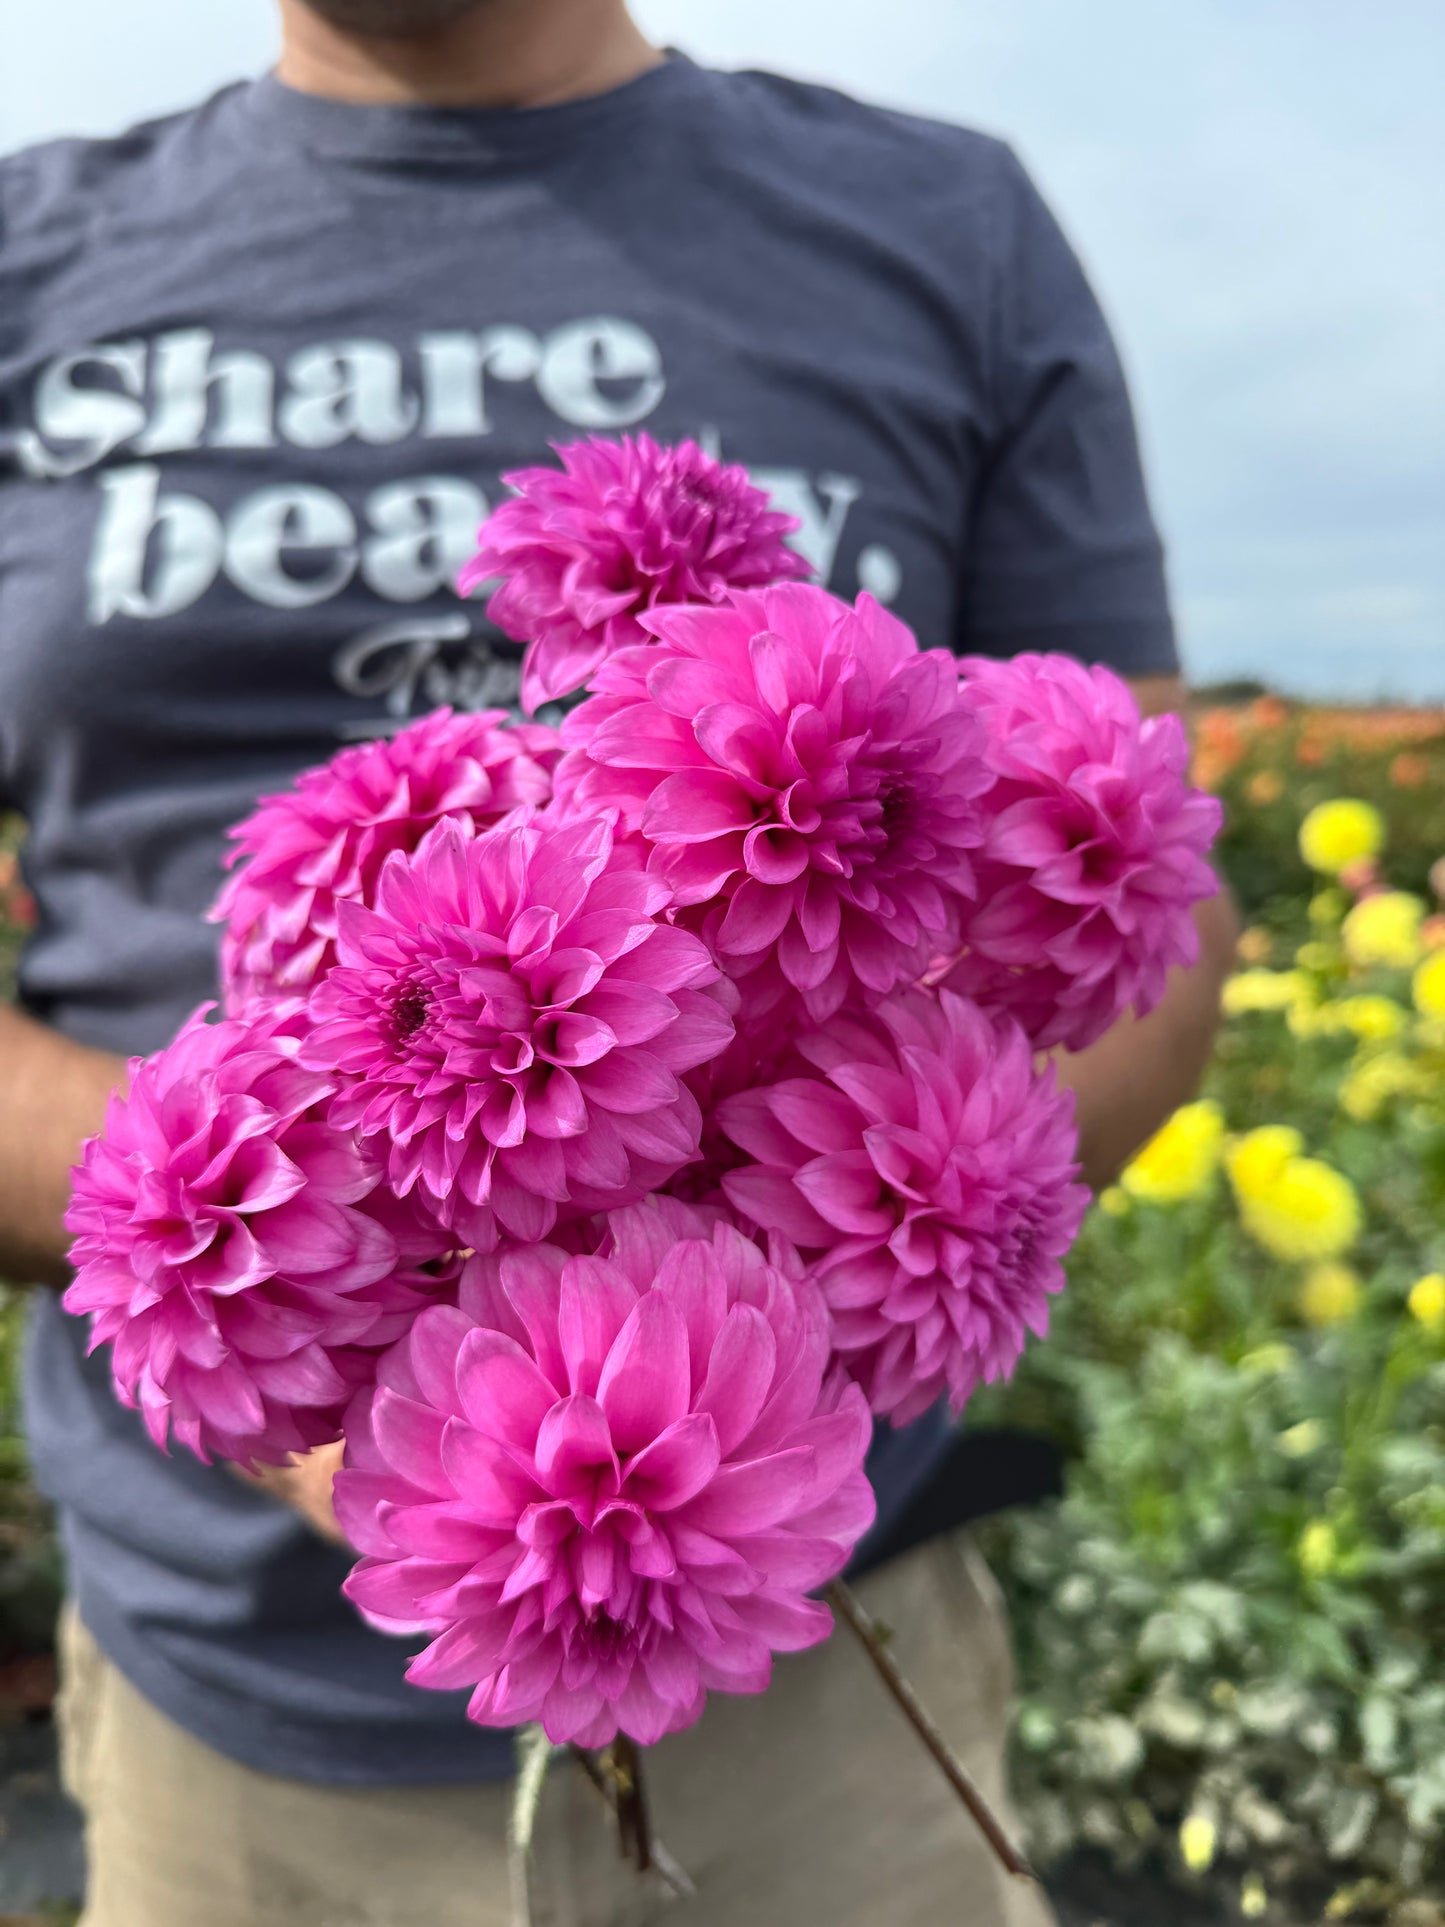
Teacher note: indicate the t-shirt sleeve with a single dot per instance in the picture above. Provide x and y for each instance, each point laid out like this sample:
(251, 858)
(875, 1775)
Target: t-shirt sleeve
(1062, 551)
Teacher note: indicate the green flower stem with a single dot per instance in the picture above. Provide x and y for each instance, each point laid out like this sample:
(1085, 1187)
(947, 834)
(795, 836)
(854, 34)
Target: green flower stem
(859, 1621)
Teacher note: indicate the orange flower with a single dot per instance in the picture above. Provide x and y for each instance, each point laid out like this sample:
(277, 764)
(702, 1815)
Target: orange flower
(1360, 878)
(1265, 786)
(1409, 770)
(1268, 712)
(1220, 735)
(1309, 752)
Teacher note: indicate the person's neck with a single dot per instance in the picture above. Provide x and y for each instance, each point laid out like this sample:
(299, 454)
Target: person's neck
(508, 53)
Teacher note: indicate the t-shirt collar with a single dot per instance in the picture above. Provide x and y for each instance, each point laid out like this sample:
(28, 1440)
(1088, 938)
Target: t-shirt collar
(460, 136)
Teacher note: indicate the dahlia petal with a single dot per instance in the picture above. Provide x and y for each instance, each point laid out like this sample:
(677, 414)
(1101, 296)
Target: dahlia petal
(818, 1117)
(694, 805)
(576, 1716)
(675, 1466)
(788, 1625)
(483, 1472)
(525, 1215)
(646, 1382)
(673, 1672)
(460, 1656)
(629, 1085)
(594, 1304)
(740, 1372)
(309, 1234)
(754, 1495)
(844, 1189)
(751, 1119)
(756, 917)
(410, 1434)
(668, 1136)
(771, 1199)
(382, 1591)
(574, 1443)
(503, 1393)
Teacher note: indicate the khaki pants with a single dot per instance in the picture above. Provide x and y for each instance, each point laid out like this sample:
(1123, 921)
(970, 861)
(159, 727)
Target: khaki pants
(811, 1806)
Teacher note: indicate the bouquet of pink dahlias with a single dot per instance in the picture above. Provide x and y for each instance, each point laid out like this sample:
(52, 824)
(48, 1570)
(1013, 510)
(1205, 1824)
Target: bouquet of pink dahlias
(610, 1117)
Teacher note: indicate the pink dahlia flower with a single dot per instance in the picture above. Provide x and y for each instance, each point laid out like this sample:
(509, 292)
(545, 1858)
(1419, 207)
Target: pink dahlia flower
(1095, 853)
(622, 528)
(806, 764)
(324, 841)
(510, 1025)
(927, 1170)
(226, 1248)
(613, 1495)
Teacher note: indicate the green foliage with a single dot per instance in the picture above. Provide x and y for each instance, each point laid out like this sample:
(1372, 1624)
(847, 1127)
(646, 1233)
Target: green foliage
(1236, 1617)
(29, 1562)
(14, 903)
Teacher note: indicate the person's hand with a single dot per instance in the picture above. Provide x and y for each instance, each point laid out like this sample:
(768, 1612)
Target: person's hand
(304, 1485)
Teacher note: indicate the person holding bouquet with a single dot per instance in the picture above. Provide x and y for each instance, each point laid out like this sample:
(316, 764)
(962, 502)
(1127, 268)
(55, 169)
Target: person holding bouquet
(262, 367)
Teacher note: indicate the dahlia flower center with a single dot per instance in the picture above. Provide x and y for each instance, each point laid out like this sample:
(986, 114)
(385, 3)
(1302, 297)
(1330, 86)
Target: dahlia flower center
(865, 829)
(698, 492)
(409, 1011)
(1020, 1245)
(704, 522)
(896, 802)
(618, 574)
(606, 1640)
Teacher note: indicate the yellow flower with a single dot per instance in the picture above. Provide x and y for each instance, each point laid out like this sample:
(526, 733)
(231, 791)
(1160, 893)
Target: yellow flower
(1384, 929)
(1250, 990)
(1307, 1020)
(1253, 1897)
(1374, 1080)
(1113, 1202)
(1256, 1160)
(1198, 1838)
(1296, 1207)
(1318, 1549)
(1313, 1212)
(1375, 1018)
(1427, 1300)
(1329, 1294)
(1180, 1159)
(1428, 987)
(1337, 834)
(1316, 956)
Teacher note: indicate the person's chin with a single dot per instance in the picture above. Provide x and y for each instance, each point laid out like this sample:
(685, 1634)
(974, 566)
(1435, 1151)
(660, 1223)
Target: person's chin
(395, 19)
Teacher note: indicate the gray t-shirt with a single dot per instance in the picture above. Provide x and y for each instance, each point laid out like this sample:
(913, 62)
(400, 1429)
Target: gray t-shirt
(261, 366)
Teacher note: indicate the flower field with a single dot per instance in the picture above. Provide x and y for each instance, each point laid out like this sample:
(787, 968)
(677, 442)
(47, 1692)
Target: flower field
(1232, 1631)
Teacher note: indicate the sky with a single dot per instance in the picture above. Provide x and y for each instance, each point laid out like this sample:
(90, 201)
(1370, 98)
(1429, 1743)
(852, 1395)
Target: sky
(1253, 184)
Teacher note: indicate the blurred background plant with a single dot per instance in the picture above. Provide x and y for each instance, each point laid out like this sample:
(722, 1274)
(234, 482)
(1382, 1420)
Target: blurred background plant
(29, 1563)
(1232, 1630)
